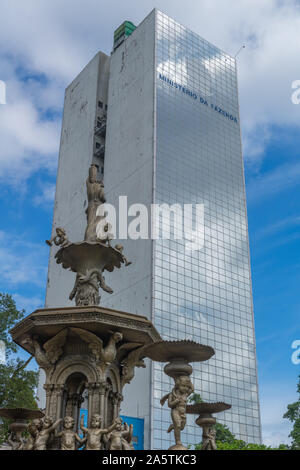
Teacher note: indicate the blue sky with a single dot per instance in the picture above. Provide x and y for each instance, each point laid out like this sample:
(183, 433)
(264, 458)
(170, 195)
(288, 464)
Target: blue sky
(43, 45)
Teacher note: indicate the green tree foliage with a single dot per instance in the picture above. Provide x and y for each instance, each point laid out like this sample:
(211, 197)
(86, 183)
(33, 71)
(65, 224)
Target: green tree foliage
(241, 445)
(235, 444)
(17, 385)
(195, 398)
(223, 434)
(9, 316)
(293, 415)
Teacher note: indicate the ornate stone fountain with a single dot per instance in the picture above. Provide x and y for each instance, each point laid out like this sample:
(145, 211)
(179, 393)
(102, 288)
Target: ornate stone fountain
(87, 349)
(91, 350)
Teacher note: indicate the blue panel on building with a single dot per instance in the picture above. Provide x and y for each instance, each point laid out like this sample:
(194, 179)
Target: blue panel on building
(84, 413)
(138, 431)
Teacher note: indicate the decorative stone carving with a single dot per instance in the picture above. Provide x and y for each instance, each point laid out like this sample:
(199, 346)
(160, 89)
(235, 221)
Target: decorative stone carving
(209, 439)
(107, 235)
(135, 328)
(15, 440)
(86, 288)
(120, 436)
(120, 248)
(206, 421)
(94, 433)
(19, 416)
(178, 354)
(132, 360)
(59, 238)
(68, 343)
(34, 427)
(103, 356)
(43, 436)
(96, 352)
(127, 443)
(91, 257)
(177, 401)
(96, 197)
(47, 355)
(69, 438)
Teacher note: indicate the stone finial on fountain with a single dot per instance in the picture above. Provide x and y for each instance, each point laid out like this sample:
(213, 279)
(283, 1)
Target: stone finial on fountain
(96, 197)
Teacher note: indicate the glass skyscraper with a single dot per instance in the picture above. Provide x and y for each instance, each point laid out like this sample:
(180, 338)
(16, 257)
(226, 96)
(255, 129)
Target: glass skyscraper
(204, 295)
(172, 137)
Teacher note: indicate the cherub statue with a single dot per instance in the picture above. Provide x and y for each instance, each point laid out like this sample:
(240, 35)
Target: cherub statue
(94, 434)
(59, 238)
(120, 437)
(33, 428)
(96, 197)
(16, 441)
(209, 438)
(177, 401)
(69, 438)
(127, 439)
(43, 435)
(120, 249)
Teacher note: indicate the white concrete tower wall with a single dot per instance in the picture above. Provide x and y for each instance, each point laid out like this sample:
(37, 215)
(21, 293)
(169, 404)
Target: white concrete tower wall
(75, 156)
(82, 106)
(128, 171)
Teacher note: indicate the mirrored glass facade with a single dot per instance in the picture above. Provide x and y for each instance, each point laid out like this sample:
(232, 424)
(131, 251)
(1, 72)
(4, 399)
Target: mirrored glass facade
(205, 294)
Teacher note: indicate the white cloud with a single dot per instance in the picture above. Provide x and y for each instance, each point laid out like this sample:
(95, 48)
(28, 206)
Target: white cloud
(277, 227)
(46, 196)
(273, 402)
(29, 141)
(58, 39)
(21, 262)
(29, 304)
(281, 178)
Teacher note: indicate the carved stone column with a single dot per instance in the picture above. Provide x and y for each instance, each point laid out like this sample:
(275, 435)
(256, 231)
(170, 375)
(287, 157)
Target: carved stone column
(76, 400)
(69, 406)
(110, 415)
(53, 402)
(59, 390)
(102, 404)
(48, 388)
(90, 387)
(96, 386)
(118, 398)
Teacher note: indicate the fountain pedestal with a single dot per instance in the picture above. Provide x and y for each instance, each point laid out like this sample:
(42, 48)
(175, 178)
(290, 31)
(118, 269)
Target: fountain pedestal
(20, 417)
(206, 421)
(178, 355)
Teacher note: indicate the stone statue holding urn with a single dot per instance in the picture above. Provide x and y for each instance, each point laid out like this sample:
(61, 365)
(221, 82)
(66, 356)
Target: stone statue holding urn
(91, 257)
(96, 197)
